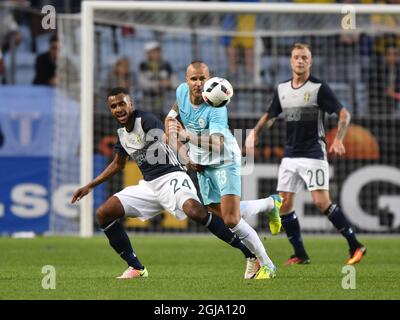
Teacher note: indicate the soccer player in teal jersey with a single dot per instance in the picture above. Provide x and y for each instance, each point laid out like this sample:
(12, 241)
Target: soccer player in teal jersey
(213, 148)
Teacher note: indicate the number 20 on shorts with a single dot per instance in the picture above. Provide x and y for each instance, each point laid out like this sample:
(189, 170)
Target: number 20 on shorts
(316, 177)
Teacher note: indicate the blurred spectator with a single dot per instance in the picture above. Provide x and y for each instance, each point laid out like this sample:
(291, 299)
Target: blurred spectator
(389, 22)
(9, 33)
(51, 69)
(10, 37)
(156, 78)
(240, 48)
(229, 24)
(46, 64)
(384, 83)
(34, 21)
(346, 64)
(120, 75)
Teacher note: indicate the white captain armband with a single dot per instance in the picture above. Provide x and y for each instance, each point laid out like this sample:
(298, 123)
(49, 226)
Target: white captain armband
(172, 114)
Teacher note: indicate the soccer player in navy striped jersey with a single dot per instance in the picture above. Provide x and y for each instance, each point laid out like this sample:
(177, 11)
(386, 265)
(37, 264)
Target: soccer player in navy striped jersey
(165, 184)
(303, 101)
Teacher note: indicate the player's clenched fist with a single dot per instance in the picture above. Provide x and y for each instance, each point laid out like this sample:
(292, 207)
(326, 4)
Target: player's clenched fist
(176, 129)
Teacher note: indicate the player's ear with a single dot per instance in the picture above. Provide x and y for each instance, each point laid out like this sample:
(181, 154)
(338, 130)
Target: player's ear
(130, 101)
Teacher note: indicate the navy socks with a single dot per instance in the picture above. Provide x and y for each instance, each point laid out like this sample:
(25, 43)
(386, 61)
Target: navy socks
(336, 216)
(292, 227)
(120, 242)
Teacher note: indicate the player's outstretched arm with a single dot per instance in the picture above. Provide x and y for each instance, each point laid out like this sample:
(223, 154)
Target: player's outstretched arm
(252, 138)
(337, 147)
(114, 167)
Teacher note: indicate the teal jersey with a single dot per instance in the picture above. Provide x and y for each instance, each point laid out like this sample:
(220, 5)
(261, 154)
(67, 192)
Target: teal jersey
(207, 120)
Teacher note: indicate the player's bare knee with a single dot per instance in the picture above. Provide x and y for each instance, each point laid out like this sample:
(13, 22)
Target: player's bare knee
(194, 210)
(231, 221)
(106, 214)
(101, 216)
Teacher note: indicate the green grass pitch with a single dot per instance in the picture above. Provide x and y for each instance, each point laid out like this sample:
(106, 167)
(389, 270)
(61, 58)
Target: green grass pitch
(193, 267)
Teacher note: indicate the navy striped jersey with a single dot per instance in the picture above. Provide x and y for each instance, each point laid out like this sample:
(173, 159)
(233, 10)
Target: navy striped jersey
(304, 110)
(144, 145)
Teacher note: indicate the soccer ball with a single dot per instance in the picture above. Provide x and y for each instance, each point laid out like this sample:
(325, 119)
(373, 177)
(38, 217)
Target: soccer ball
(217, 92)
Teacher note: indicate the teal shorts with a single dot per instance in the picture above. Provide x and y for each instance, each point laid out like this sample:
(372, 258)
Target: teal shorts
(217, 182)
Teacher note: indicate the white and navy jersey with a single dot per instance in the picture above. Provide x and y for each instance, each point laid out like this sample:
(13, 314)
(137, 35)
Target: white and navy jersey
(304, 110)
(144, 145)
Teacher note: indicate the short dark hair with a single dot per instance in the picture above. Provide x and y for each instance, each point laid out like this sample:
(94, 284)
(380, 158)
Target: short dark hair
(53, 38)
(390, 45)
(117, 90)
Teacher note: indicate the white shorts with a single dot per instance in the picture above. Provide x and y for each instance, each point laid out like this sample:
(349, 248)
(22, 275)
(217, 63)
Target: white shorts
(149, 198)
(294, 172)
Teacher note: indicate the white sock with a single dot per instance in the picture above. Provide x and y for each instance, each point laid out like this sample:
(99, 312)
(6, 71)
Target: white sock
(251, 240)
(253, 207)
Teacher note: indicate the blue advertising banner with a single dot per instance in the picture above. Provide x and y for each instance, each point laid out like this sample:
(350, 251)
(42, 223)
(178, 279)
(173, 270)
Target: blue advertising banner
(24, 194)
(25, 120)
(26, 197)
(27, 133)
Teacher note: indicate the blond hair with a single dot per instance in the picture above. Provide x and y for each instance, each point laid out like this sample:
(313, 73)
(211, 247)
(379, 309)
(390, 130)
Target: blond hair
(299, 45)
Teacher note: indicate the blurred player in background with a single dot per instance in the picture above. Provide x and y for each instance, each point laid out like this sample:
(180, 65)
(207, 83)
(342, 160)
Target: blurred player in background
(303, 100)
(166, 185)
(215, 154)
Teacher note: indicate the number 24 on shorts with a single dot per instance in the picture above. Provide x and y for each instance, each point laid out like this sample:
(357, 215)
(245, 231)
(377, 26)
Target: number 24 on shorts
(176, 183)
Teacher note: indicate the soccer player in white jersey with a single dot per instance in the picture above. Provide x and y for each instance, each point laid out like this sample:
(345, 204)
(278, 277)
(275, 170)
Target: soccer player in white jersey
(303, 101)
(213, 147)
(165, 184)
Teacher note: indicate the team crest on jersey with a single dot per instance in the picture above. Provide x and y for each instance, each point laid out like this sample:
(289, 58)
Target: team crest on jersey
(202, 123)
(307, 96)
(135, 138)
